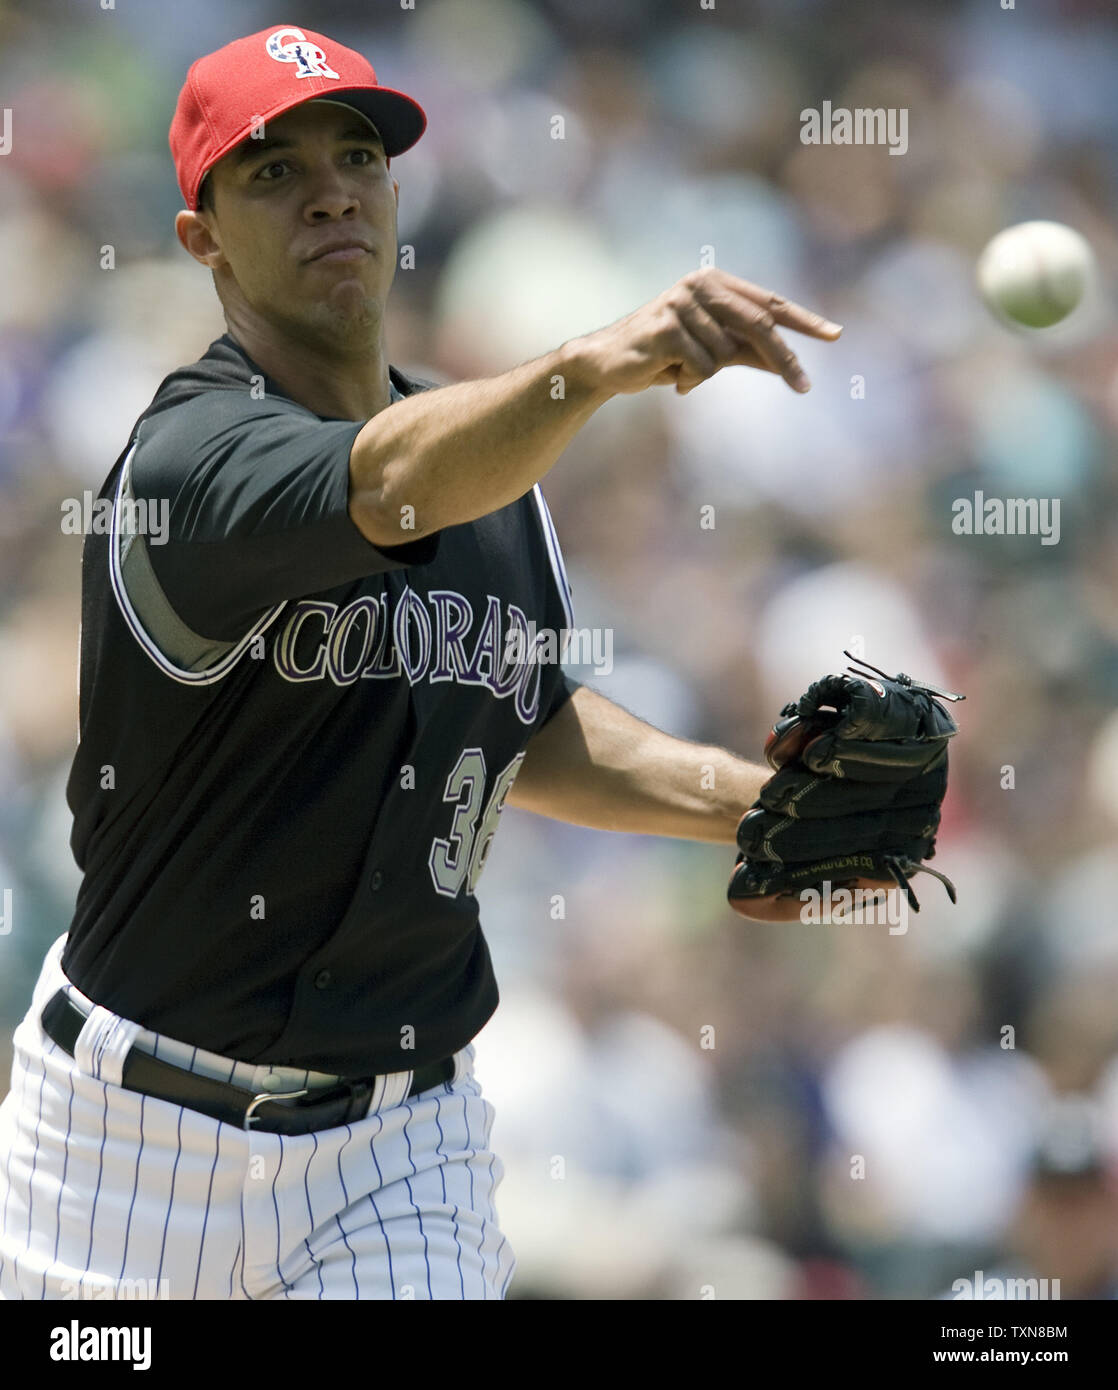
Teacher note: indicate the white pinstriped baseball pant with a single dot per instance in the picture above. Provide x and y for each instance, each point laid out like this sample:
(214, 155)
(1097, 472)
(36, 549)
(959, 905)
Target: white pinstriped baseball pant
(104, 1192)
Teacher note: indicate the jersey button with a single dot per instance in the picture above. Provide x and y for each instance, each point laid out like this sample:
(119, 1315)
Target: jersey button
(377, 881)
(322, 979)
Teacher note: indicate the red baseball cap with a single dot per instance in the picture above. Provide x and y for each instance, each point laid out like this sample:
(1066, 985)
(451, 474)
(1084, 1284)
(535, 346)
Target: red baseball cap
(228, 92)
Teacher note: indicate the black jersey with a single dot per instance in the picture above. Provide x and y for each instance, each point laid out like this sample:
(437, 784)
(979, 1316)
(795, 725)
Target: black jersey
(294, 745)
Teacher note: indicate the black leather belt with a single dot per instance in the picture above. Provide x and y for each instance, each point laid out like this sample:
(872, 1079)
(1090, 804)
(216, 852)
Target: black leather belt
(283, 1112)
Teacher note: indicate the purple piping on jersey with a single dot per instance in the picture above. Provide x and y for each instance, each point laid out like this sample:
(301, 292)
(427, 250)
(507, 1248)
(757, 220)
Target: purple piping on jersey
(65, 1169)
(454, 1218)
(310, 1213)
(275, 1204)
(100, 1170)
(35, 1155)
(493, 1214)
(243, 1252)
(376, 1212)
(341, 1228)
(206, 1213)
(306, 1184)
(411, 1199)
(171, 1198)
(135, 1189)
(387, 1246)
(555, 554)
(318, 1269)
(473, 1201)
(116, 578)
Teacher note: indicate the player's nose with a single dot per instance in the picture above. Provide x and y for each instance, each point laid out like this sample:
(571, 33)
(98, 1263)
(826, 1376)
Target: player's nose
(330, 193)
(331, 205)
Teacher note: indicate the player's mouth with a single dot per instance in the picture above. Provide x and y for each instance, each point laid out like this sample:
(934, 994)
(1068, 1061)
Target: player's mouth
(348, 249)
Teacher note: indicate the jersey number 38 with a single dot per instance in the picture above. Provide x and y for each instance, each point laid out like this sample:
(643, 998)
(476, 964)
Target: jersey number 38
(460, 858)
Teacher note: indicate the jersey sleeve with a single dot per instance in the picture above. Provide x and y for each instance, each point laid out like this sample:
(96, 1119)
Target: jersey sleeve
(256, 498)
(564, 689)
(561, 607)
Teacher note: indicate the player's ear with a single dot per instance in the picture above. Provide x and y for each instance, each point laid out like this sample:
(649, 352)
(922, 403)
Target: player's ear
(198, 235)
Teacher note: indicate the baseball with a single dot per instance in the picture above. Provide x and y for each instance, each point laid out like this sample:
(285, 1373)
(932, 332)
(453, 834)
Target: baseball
(1034, 274)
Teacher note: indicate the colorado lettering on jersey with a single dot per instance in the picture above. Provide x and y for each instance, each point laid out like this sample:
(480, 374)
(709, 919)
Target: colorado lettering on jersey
(434, 637)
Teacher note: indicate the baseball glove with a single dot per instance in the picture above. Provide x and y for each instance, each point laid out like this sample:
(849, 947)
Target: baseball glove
(861, 773)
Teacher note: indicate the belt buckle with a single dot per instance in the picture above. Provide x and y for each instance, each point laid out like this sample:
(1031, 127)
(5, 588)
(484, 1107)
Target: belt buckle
(251, 1118)
(359, 1093)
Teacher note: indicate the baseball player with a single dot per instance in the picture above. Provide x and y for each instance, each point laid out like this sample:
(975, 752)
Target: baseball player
(247, 1069)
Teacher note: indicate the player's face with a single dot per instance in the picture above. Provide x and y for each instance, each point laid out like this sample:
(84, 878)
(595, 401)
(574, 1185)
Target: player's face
(318, 176)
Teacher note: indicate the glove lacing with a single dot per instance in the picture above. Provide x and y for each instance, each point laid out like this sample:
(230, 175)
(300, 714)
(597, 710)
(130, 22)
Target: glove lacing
(902, 868)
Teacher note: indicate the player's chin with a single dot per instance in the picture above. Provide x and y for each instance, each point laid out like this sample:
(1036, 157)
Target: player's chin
(347, 302)
(347, 319)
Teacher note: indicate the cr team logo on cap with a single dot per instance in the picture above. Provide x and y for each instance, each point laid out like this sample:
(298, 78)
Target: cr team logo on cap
(226, 92)
(310, 58)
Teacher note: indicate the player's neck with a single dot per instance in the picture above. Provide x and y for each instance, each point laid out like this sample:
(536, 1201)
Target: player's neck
(346, 388)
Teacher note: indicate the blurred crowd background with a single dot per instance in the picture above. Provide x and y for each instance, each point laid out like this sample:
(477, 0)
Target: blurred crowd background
(689, 1104)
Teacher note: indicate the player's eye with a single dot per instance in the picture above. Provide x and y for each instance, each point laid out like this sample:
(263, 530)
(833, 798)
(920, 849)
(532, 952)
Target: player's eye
(370, 152)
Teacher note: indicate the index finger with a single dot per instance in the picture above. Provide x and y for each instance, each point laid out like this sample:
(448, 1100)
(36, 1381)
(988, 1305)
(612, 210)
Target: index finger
(785, 312)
